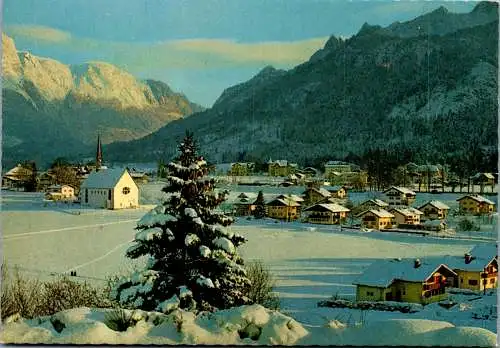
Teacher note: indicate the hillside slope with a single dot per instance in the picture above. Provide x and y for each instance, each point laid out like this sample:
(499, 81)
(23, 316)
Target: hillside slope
(432, 92)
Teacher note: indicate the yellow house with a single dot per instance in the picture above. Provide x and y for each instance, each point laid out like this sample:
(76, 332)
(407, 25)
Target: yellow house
(477, 269)
(377, 219)
(281, 168)
(328, 214)
(241, 169)
(404, 280)
(336, 191)
(373, 204)
(476, 204)
(313, 195)
(435, 210)
(109, 189)
(400, 196)
(283, 209)
(406, 216)
(58, 192)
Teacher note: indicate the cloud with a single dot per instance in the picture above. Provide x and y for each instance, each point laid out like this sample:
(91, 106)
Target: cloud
(39, 33)
(176, 54)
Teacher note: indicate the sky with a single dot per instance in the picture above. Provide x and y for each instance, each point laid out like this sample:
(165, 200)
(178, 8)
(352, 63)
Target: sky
(198, 47)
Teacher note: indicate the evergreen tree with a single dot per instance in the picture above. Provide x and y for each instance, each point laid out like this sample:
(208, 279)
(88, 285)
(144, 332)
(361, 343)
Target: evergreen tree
(260, 207)
(193, 262)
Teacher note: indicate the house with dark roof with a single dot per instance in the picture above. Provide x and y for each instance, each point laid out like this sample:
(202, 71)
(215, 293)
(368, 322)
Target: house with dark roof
(109, 189)
(404, 280)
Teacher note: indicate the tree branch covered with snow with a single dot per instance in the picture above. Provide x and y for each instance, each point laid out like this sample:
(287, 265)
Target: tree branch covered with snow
(193, 260)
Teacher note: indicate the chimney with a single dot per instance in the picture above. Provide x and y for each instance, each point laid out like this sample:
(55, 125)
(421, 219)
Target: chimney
(416, 263)
(467, 258)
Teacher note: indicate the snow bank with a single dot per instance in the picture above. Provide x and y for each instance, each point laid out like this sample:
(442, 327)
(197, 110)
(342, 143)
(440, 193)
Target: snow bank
(254, 325)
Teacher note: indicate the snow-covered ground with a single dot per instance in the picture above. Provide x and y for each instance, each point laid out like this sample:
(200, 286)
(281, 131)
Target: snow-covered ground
(311, 263)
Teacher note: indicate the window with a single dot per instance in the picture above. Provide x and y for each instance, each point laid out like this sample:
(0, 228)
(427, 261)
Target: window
(472, 281)
(492, 281)
(109, 194)
(369, 293)
(126, 190)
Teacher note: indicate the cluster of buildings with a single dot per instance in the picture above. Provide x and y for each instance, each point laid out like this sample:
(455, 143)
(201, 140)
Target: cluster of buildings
(425, 281)
(327, 205)
(98, 186)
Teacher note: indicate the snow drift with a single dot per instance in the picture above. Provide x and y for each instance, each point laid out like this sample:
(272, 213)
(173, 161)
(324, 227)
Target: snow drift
(248, 325)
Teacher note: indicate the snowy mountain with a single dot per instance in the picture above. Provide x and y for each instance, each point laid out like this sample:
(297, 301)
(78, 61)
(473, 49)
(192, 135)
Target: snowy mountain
(390, 88)
(45, 100)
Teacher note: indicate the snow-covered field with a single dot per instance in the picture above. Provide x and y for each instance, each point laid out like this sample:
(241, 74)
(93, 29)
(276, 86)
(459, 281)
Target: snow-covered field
(311, 263)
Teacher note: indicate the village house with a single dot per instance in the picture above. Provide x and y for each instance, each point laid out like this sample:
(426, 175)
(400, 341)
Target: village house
(281, 168)
(338, 167)
(477, 269)
(15, 177)
(476, 204)
(60, 192)
(400, 196)
(328, 214)
(372, 204)
(283, 209)
(310, 172)
(109, 189)
(435, 210)
(484, 179)
(376, 219)
(404, 280)
(336, 191)
(314, 195)
(241, 169)
(244, 204)
(405, 216)
(139, 177)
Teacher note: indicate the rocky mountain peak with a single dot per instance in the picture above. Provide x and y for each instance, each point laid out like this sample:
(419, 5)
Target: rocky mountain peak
(11, 64)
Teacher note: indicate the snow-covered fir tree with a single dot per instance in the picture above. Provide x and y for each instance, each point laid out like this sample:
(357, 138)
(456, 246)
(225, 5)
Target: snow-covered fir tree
(193, 262)
(260, 207)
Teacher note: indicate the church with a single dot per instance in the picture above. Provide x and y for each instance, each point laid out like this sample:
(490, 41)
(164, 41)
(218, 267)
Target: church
(106, 188)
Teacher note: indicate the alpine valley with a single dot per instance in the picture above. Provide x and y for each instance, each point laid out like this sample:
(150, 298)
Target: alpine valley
(428, 85)
(51, 109)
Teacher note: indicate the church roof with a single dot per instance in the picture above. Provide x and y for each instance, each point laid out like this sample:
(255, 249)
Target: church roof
(104, 178)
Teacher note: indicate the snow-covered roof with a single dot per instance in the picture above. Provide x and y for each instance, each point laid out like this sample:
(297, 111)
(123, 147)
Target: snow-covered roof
(336, 163)
(283, 202)
(282, 163)
(378, 212)
(292, 197)
(484, 250)
(409, 211)
(377, 202)
(103, 179)
(486, 175)
(334, 208)
(436, 204)
(322, 192)
(382, 273)
(401, 189)
(335, 188)
(477, 263)
(477, 198)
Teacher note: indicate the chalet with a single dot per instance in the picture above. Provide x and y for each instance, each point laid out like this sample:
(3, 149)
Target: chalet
(281, 168)
(372, 204)
(337, 191)
(328, 214)
(404, 280)
(283, 209)
(310, 172)
(294, 198)
(476, 204)
(60, 192)
(15, 177)
(377, 219)
(314, 195)
(241, 169)
(435, 210)
(45, 180)
(337, 166)
(477, 269)
(405, 216)
(139, 177)
(400, 196)
(483, 178)
(110, 189)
